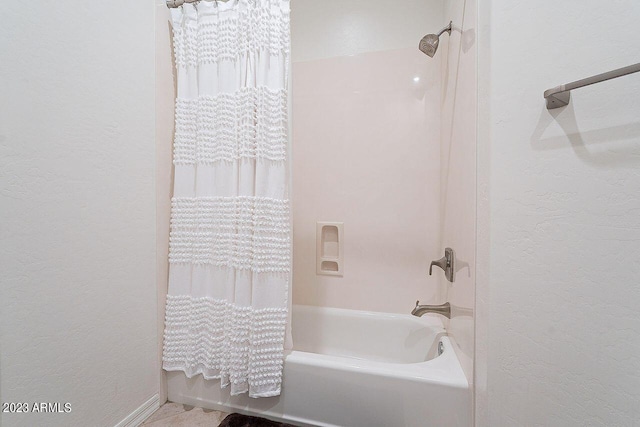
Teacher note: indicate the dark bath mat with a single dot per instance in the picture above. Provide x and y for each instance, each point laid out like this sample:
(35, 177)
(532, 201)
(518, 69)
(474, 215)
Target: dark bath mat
(239, 420)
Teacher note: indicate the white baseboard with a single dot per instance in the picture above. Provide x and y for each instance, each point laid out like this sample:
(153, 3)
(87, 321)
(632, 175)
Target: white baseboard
(143, 412)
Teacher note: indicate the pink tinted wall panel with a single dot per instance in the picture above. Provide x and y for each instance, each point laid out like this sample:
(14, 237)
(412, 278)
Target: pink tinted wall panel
(366, 152)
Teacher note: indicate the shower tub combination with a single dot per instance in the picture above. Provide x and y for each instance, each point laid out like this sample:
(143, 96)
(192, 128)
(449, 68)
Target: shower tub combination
(356, 369)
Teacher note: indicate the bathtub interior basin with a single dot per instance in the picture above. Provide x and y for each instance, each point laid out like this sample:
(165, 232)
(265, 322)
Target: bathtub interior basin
(380, 337)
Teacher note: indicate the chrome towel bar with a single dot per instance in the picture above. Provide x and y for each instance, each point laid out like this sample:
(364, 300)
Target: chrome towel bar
(560, 96)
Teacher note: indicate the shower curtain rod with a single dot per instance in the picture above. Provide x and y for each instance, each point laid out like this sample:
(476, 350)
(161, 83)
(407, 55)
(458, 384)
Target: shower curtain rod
(177, 3)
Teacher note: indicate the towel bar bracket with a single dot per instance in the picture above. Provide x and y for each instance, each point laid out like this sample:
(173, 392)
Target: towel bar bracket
(557, 97)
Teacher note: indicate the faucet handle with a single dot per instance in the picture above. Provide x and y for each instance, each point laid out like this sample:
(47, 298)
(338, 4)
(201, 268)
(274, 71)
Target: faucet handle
(442, 263)
(446, 263)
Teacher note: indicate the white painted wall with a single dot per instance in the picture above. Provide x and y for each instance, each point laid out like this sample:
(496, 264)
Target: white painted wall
(559, 192)
(77, 209)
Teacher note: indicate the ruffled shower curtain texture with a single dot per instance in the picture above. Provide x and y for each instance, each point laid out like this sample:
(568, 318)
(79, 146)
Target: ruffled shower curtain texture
(227, 311)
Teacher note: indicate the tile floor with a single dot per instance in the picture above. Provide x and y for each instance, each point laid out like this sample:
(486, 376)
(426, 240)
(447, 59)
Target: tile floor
(178, 415)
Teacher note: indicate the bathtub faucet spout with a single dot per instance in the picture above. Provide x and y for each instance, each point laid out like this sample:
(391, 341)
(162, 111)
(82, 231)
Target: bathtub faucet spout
(443, 309)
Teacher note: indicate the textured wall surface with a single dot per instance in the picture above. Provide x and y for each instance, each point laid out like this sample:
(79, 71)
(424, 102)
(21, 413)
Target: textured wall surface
(458, 172)
(366, 151)
(560, 301)
(77, 312)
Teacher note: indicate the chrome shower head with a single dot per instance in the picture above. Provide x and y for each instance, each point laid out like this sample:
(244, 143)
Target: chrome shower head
(429, 43)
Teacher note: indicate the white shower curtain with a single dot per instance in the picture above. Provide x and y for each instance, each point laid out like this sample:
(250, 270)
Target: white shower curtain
(230, 245)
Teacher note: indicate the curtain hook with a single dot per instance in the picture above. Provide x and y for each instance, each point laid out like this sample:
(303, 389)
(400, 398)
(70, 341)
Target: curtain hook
(174, 3)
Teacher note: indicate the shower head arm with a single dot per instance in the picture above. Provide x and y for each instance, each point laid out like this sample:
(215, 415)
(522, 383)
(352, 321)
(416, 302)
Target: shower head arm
(445, 29)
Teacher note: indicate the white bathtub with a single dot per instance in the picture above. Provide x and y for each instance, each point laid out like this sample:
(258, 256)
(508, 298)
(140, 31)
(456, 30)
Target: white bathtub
(354, 369)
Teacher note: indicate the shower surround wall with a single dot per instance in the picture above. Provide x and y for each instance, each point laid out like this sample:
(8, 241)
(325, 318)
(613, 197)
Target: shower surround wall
(384, 139)
(366, 151)
(458, 172)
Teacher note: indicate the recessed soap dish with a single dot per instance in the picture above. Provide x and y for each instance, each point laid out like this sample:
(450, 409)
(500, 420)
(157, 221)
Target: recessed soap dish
(329, 266)
(329, 256)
